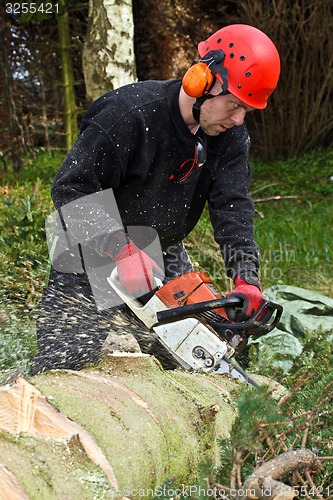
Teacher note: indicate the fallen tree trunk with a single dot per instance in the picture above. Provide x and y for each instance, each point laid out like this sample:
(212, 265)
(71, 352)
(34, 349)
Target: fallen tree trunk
(117, 429)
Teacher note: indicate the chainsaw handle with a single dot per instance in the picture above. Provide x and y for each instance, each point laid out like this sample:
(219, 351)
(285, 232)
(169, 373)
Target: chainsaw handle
(257, 324)
(185, 311)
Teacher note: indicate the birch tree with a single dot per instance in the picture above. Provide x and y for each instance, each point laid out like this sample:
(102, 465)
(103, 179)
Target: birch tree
(108, 55)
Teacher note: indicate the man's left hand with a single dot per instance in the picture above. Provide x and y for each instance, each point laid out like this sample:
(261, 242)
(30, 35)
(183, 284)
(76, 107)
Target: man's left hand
(252, 300)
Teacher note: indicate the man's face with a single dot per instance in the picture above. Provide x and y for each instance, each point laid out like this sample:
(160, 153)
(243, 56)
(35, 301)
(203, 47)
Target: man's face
(222, 112)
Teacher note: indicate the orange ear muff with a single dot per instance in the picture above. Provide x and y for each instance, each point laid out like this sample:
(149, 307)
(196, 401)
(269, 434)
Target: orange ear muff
(198, 80)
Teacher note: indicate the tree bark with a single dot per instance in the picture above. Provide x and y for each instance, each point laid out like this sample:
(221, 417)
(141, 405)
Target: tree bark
(127, 422)
(108, 54)
(13, 139)
(44, 111)
(68, 80)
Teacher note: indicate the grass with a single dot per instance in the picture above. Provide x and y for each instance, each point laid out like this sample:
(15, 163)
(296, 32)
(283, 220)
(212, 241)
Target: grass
(296, 245)
(25, 204)
(294, 233)
(294, 210)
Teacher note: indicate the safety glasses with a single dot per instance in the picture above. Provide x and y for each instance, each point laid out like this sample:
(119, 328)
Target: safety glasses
(184, 171)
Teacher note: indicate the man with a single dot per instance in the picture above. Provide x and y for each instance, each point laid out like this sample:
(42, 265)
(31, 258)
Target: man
(159, 150)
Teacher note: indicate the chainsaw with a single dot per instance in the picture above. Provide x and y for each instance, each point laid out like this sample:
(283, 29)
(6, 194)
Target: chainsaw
(187, 313)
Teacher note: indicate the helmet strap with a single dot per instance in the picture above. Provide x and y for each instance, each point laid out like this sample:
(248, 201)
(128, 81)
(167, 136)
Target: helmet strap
(214, 60)
(199, 102)
(197, 106)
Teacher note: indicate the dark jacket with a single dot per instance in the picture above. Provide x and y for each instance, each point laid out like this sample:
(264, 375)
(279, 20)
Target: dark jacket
(132, 139)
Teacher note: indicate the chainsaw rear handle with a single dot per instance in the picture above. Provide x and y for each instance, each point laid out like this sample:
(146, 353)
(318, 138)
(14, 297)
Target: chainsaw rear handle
(259, 322)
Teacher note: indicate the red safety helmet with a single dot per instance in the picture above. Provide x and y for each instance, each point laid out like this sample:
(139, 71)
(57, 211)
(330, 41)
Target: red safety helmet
(252, 61)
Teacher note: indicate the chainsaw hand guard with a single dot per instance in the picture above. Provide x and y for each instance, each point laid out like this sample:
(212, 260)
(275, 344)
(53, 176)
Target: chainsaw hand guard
(258, 324)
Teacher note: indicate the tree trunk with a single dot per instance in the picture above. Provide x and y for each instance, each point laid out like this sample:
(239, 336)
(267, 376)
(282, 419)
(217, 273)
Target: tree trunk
(122, 426)
(108, 55)
(68, 81)
(120, 429)
(13, 139)
(44, 112)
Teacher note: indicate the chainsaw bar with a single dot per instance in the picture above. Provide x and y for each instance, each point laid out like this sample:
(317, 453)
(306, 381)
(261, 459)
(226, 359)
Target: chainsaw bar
(229, 367)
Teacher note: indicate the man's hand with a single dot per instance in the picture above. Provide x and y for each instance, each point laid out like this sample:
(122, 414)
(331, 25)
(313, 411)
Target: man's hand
(252, 300)
(136, 270)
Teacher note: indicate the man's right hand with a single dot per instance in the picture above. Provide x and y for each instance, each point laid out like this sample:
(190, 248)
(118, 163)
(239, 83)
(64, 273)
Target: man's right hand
(252, 300)
(136, 270)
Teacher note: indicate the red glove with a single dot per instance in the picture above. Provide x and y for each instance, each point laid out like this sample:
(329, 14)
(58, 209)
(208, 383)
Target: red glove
(252, 300)
(136, 270)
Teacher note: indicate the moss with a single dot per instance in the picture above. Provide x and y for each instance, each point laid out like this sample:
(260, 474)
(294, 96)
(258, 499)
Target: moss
(51, 469)
(149, 423)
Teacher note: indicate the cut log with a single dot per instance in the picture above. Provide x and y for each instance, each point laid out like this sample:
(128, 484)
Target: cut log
(126, 424)
(25, 409)
(9, 485)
